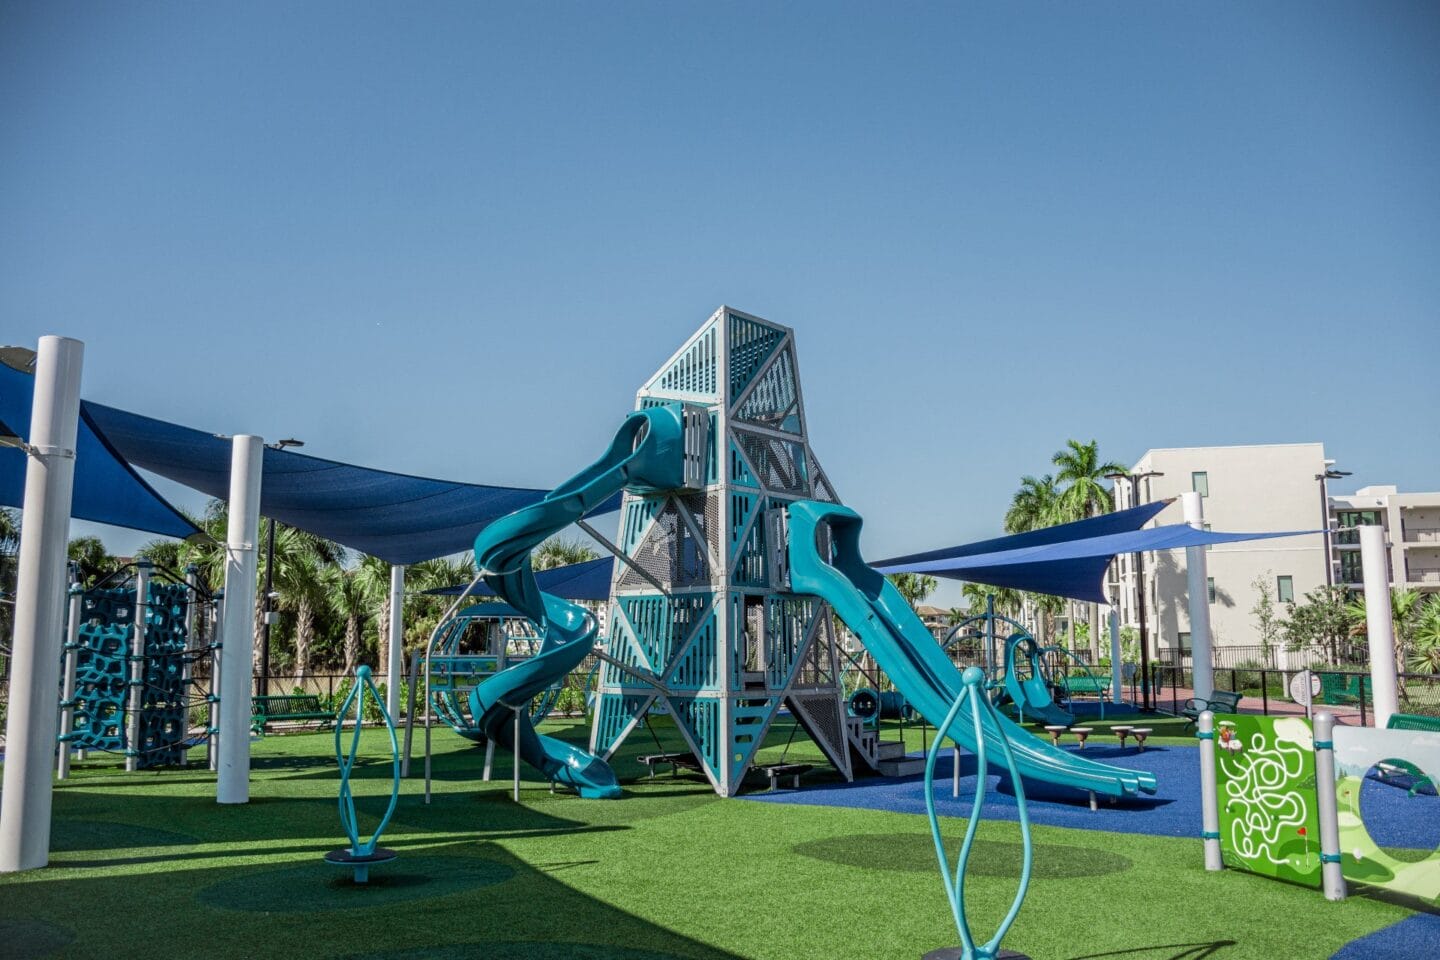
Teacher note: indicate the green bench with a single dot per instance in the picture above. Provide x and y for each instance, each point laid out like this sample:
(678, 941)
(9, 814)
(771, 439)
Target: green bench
(1093, 686)
(287, 707)
(1410, 721)
(1221, 701)
(1343, 689)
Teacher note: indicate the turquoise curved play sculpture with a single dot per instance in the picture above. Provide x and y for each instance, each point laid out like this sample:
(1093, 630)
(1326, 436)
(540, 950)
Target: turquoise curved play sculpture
(361, 856)
(954, 882)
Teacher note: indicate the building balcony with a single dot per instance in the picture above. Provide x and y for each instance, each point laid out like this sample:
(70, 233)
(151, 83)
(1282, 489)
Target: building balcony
(1423, 575)
(1422, 535)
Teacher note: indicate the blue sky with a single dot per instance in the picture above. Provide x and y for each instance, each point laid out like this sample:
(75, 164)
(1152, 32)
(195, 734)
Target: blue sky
(452, 239)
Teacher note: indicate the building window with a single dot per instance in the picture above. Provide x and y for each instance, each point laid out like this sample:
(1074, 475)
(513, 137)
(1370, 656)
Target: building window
(1351, 569)
(1184, 638)
(1210, 587)
(1206, 528)
(1200, 483)
(1285, 589)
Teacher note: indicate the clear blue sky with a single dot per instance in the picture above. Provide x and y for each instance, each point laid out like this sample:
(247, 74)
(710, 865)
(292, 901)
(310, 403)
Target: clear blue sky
(452, 239)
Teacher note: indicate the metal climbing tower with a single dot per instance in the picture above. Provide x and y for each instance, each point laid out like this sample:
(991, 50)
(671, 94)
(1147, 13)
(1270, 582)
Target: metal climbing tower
(701, 602)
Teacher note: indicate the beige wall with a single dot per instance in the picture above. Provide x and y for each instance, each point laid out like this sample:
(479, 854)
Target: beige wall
(1260, 488)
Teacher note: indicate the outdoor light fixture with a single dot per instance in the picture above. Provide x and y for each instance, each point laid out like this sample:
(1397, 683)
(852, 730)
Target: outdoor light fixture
(1329, 473)
(18, 358)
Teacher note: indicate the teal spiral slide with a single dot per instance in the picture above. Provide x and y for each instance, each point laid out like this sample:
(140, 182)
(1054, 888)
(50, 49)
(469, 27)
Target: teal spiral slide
(647, 455)
(887, 626)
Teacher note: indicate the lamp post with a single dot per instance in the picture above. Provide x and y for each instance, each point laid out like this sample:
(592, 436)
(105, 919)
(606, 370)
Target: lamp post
(262, 682)
(1329, 473)
(1135, 479)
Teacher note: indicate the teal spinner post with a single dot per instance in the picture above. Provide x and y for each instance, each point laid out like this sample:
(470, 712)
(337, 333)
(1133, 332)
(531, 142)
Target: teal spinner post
(954, 881)
(362, 856)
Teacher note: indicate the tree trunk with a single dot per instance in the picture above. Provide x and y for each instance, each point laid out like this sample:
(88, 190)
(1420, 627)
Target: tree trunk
(352, 644)
(259, 647)
(382, 631)
(1094, 614)
(304, 636)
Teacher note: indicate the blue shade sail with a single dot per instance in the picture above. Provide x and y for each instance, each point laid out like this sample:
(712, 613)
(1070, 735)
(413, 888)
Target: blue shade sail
(1074, 567)
(398, 518)
(107, 490)
(577, 581)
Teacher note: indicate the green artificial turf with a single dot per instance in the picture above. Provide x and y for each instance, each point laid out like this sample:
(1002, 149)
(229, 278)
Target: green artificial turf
(148, 865)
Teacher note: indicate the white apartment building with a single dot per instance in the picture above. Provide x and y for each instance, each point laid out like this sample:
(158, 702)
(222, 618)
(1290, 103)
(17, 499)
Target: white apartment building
(1412, 525)
(1255, 488)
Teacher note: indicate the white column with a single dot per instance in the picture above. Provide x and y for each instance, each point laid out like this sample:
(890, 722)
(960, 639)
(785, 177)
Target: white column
(395, 669)
(232, 785)
(1117, 683)
(40, 587)
(1209, 799)
(1379, 627)
(135, 695)
(1197, 572)
(1332, 879)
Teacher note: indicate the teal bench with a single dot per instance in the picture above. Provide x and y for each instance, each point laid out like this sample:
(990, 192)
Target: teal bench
(1221, 701)
(1342, 689)
(287, 708)
(1092, 686)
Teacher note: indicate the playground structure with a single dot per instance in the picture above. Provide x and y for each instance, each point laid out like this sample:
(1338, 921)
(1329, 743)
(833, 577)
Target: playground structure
(127, 684)
(1282, 798)
(734, 552)
(471, 645)
(1035, 674)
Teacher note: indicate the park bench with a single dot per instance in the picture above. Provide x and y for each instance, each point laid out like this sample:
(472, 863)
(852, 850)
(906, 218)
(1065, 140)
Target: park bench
(1091, 686)
(676, 760)
(1342, 689)
(777, 770)
(1410, 721)
(286, 708)
(1221, 701)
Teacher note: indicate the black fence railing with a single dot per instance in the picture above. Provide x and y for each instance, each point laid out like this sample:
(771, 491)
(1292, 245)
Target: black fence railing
(1346, 692)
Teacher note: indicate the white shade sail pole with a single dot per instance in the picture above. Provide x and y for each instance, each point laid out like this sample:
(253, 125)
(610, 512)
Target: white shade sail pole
(232, 784)
(1197, 575)
(395, 669)
(40, 588)
(1379, 626)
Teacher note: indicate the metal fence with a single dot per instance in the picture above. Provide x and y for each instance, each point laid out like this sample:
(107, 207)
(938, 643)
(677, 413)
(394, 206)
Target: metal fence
(1344, 692)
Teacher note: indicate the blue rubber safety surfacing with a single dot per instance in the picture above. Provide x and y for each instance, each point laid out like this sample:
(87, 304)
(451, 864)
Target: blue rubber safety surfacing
(1417, 936)
(1394, 819)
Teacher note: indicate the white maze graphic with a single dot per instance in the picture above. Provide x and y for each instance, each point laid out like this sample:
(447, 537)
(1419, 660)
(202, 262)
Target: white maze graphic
(1265, 781)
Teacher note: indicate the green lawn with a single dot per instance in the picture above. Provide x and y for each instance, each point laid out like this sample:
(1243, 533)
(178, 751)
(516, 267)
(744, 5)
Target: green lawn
(148, 865)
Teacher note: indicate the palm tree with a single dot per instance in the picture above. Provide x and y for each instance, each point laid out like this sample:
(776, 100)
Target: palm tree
(559, 552)
(1033, 506)
(373, 575)
(90, 555)
(351, 601)
(1425, 649)
(1086, 495)
(914, 587)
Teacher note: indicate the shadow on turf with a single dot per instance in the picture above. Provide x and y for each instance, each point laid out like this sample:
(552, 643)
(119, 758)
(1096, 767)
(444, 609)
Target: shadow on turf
(496, 905)
(1182, 951)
